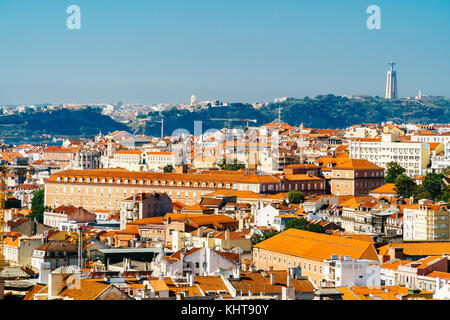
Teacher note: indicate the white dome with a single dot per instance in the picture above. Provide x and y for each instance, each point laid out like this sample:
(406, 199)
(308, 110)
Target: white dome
(193, 99)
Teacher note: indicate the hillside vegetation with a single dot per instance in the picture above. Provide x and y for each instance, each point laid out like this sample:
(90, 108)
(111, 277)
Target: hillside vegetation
(327, 111)
(64, 122)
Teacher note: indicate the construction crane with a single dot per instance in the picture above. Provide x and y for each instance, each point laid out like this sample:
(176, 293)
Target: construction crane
(234, 120)
(143, 123)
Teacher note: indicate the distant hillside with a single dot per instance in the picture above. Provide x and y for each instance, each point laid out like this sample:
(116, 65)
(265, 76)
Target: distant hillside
(326, 111)
(61, 122)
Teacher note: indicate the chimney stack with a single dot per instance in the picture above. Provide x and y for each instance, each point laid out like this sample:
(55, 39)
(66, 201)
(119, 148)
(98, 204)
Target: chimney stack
(272, 279)
(55, 284)
(289, 281)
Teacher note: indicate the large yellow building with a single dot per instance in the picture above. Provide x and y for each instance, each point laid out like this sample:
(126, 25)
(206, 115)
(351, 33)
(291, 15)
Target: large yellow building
(297, 248)
(106, 188)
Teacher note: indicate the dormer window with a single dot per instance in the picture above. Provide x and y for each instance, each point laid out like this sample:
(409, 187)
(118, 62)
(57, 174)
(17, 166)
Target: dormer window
(171, 183)
(188, 184)
(180, 183)
(119, 180)
(66, 179)
(111, 180)
(103, 180)
(204, 184)
(163, 183)
(211, 184)
(88, 179)
(80, 180)
(95, 180)
(220, 185)
(156, 183)
(149, 181)
(141, 182)
(127, 181)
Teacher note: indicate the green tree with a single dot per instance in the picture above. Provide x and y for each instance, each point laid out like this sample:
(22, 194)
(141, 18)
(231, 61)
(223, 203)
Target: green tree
(434, 184)
(168, 168)
(296, 197)
(256, 238)
(37, 205)
(446, 195)
(405, 186)
(303, 224)
(315, 227)
(421, 193)
(231, 166)
(393, 170)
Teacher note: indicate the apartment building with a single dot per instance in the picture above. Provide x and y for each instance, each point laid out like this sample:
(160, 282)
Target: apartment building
(144, 205)
(156, 161)
(132, 160)
(63, 214)
(344, 272)
(421, 273)
(414, 156)
(60, 156)
(426, 221)
(353, 177)
(265, 215)
(85, 159)
(308, 250)
(197, 261)
(105, 188)
(18, 248)
(209, 238)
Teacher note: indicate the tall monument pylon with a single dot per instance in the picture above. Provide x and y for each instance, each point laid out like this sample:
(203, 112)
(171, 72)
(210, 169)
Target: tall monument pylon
(391, 83)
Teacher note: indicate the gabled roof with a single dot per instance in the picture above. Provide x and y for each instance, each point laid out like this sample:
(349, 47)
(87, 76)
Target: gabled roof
(59, 246)
(259, 282)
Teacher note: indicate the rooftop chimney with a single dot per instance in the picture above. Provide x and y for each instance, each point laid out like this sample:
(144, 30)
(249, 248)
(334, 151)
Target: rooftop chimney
(289, 281)
(55, 284)
(272, 279)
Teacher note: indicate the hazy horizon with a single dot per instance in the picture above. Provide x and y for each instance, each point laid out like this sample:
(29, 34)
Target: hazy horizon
(153, 52)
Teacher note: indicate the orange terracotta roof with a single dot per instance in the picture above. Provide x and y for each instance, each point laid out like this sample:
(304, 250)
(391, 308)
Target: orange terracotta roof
(317, 246)
(89, 289)
(388, 188)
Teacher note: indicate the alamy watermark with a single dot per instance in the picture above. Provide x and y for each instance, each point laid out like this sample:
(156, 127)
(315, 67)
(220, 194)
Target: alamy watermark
(73, 22)
(374, 20)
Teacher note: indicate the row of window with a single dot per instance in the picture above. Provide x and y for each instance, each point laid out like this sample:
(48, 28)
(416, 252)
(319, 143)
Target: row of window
(149, 182)
(283, 261)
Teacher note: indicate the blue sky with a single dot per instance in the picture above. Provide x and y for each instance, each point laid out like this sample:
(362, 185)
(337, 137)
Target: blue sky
(156, 51)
